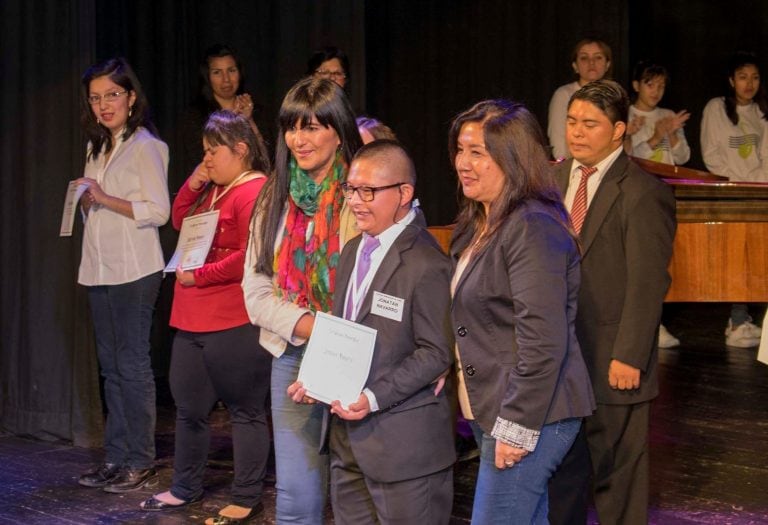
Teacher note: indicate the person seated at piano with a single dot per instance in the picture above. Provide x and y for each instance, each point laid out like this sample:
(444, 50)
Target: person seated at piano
(655, 134)
(591, 60)
(734, 143)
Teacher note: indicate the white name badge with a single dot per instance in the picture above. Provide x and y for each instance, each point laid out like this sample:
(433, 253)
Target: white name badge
(388, 306)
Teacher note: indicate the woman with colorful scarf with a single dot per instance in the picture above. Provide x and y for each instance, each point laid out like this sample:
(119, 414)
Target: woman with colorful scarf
(300, 224)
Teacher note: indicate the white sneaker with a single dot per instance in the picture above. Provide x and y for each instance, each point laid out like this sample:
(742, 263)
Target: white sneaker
(667, 340)
(742, 336)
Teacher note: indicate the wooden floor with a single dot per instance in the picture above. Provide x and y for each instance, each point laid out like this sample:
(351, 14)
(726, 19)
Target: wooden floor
(709, 446)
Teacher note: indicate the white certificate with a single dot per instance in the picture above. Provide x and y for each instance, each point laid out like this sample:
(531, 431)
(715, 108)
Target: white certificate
(74, 192)
(195, 239)
(337, 360)
(762, 352)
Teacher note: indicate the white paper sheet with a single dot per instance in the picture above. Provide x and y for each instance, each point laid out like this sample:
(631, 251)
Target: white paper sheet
(762, 353)
(195, 239)
(74, 192)
(337, 360)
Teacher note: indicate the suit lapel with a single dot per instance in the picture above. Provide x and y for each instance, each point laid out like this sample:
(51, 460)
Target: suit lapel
(602, 202)
(467, 270)
(563, 176)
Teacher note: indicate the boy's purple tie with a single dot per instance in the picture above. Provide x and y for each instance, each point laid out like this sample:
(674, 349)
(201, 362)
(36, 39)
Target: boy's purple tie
(370, 243)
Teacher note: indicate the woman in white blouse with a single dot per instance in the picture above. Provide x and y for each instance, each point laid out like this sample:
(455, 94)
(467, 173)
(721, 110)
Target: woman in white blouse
(125, 202)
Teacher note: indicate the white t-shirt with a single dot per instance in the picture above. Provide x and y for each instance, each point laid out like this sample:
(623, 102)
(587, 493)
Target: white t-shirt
(739, 152)
(558, 113)
(679, 154)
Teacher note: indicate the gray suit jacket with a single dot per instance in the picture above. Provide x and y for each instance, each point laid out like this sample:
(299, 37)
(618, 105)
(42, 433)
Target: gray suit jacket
(412, 433)
(626, 243)
(513, 314)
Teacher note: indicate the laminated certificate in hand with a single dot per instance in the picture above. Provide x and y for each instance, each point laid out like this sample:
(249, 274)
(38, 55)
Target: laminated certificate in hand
(337, 360)
(195, 239)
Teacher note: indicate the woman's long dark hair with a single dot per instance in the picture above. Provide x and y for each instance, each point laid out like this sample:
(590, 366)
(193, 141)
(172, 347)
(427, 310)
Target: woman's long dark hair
(310, 97)
(515, 141)
(119, 72)
(736, 62)
(205, 101)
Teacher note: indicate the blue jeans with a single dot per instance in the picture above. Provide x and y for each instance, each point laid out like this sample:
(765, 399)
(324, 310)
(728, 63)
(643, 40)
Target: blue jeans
(122, 319)
(518, 495)
(302, 472)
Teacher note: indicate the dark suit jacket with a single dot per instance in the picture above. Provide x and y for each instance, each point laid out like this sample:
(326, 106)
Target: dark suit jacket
(412, 433)
(626, 243)
(513, 314)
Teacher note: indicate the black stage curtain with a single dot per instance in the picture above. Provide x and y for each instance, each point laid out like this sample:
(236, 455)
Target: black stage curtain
(693, 39)
(48, 377)
(49, 385)
(429, 60)
(414, 65)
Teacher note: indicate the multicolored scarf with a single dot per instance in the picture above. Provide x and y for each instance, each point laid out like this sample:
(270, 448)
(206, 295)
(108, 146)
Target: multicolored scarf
(306, 260)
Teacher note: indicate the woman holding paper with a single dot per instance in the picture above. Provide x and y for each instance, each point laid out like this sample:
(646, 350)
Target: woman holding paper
(214, 356)
(299, 227)
(126, 201)
(523, 383)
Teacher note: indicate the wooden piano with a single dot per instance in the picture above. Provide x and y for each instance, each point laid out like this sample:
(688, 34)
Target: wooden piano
(721, 246)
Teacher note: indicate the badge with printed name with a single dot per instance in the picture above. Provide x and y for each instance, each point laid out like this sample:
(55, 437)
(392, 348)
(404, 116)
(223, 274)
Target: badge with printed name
(388, 306)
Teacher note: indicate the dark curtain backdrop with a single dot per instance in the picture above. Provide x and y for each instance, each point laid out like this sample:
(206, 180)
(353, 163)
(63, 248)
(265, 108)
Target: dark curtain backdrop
(694, 40)
(48, 380)
(415, 64)
(429, 60)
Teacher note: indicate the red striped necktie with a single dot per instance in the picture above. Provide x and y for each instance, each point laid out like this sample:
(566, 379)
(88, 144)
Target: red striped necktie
(579, 208)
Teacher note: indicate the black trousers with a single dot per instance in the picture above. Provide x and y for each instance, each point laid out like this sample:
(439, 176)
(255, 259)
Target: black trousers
(612, 451)
(231, 366)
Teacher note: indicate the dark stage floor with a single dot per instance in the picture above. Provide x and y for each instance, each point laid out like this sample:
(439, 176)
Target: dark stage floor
(709, 446)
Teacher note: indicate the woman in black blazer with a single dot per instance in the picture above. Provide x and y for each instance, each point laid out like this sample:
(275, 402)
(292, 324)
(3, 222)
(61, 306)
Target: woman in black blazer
(523, 383)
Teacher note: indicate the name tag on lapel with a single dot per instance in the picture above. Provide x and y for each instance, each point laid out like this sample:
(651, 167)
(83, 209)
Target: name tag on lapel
(388, 306)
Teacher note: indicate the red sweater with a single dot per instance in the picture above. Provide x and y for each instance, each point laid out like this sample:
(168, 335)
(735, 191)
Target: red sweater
(216, 301)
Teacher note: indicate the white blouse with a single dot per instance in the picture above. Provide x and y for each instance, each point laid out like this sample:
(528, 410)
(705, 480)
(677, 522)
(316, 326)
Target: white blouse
(117, 249)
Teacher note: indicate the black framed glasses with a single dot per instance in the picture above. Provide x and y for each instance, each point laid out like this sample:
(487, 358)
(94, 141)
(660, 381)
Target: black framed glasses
(108, 97)
(366, 193)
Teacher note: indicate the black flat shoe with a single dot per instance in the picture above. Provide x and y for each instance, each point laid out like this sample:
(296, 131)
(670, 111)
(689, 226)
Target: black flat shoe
(100, 476)
(132, 479)
(153, 504)
(255, 512)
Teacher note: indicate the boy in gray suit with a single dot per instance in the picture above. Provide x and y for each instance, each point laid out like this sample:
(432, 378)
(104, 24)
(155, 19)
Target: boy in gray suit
(392, 450)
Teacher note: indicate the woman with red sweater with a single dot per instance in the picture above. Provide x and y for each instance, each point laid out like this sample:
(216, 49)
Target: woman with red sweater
(215, 355)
